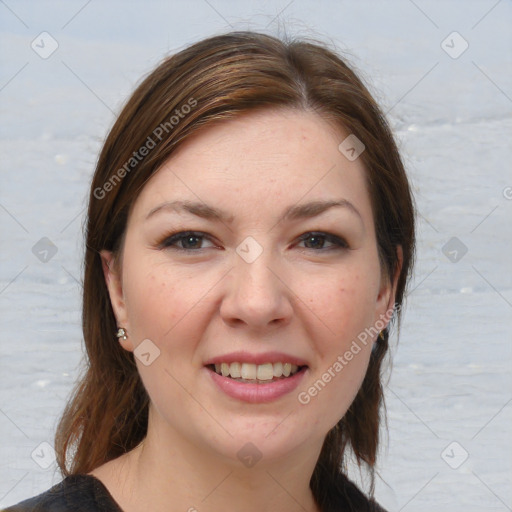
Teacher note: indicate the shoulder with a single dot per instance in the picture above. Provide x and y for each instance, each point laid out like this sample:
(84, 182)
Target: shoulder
(343, 494)
(357, 500)
(77, 493)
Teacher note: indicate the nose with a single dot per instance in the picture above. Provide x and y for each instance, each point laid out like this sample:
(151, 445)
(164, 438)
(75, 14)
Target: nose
(257, 295)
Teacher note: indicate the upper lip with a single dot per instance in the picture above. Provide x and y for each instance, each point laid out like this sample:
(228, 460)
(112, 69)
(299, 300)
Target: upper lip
(248, 357)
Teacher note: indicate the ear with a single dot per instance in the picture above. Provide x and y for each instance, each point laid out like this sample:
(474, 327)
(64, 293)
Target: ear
(114, 283)
(387, 292)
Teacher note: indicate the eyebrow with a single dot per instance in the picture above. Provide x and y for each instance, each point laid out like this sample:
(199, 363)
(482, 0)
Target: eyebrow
(294, 212)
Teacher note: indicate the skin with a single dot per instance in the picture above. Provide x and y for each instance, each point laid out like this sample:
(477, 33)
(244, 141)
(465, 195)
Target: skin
(296, 297)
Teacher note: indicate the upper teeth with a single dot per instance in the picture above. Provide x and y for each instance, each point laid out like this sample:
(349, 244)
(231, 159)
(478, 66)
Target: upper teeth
(251, 371)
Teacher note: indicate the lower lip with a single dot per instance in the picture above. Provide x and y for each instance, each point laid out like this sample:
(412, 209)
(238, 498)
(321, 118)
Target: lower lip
(257, 393)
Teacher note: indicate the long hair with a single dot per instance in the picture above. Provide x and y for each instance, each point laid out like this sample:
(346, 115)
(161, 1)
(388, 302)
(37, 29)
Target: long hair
(216, 79)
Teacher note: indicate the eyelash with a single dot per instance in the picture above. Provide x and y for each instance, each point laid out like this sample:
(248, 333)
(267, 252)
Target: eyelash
(170, 240)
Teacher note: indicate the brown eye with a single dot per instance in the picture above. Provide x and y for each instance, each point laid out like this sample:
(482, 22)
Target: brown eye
(184, 241)
(317, 241)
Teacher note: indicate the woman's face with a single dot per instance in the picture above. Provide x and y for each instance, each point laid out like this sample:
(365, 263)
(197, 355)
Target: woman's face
(234, 262)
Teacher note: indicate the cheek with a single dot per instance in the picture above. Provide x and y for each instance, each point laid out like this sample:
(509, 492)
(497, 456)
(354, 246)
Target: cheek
(160, 303)
(345, 303)
(342, 358)
(343, 378)
(155, 298)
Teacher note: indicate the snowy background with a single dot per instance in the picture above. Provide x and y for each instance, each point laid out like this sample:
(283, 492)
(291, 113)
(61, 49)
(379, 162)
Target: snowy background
(449, 99)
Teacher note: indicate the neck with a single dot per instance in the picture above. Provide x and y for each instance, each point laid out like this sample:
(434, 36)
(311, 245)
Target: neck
(168, 473)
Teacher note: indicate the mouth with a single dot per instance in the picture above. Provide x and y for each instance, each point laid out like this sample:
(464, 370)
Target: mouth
(251, 373)
(256, 378)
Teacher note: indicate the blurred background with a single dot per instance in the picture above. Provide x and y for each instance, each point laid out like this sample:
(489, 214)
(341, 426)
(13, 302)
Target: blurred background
(442, 72)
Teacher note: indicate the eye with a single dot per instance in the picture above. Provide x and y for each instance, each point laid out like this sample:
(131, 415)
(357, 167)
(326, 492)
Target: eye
(193, 241)
(184, 241)
(316, 241)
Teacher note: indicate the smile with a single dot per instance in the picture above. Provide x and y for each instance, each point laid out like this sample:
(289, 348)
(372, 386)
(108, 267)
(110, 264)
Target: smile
(256, 378)
(256, 373)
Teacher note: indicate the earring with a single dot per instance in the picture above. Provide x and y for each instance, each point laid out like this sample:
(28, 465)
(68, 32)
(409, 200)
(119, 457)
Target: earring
(381, 335)
(121, 333)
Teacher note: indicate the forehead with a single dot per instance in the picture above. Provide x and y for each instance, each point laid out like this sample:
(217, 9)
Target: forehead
(260, 162)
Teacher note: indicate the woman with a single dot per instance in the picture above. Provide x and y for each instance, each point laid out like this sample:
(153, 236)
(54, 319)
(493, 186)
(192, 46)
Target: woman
(250, 235)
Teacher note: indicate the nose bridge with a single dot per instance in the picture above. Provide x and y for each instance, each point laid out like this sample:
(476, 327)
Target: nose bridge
(256, 295)
(256, 276)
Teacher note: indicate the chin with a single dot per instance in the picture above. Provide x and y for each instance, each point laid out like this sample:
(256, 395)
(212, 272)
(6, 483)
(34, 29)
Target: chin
(261, 441)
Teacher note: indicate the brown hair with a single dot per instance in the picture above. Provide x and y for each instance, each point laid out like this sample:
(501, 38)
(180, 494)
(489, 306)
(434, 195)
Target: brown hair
(214, 79)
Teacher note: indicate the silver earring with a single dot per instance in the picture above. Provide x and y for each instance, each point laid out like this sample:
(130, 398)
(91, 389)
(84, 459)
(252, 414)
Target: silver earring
(121, 333)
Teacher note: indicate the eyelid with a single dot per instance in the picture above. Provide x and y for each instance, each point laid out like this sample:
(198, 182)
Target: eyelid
(169, 241)
(337, 241)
